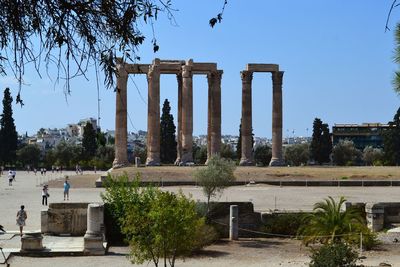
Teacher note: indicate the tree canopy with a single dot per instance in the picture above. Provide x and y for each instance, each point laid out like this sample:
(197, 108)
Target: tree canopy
(8, 132)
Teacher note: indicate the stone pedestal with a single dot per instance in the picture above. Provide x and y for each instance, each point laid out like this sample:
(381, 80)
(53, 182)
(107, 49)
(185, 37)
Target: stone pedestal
(32, 242)
(277, 155)
(93, 239)
(375, 216)
(246, 121)
(121, 130)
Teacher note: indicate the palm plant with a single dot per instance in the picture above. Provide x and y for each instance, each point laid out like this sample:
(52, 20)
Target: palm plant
(329, 224)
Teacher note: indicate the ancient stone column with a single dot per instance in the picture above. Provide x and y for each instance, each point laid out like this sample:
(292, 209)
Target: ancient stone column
(121, 130)
(211, 82)
(179, 129)
(187, 113)
(246, 121)
(216, 114)
(153, 115)
(277, 158)
(93, 239)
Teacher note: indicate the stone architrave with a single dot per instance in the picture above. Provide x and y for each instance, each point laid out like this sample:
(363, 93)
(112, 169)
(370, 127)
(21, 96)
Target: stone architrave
(153, 115)
(187, 113)
(247, 146)
(121, 131)
(216, 114)
(179, 128)
(277, 157)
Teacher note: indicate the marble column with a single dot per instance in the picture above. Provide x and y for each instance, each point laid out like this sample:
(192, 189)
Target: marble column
(153, 115)
(179, 129)
(211, 82)
(121, 130)
(187, 113)
(277, 158)
(246, 121)
(216, 114)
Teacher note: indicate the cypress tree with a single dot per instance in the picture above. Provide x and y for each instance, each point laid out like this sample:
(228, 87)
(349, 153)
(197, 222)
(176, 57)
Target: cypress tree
(321, 144)
(239, 143)
(167, 135)
(8, 132)
(89, 142)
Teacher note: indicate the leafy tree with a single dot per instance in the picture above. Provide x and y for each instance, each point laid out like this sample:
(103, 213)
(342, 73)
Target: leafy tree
(372, 156)
(227, 151)
(215, 177)
(101, 138)
(74, 34)
(29, 155)
(89, 143)
(262, 155)
(104, 157)
(8, 132)
(167, 135)
(67, 155)
(329, 224)
(321, 144)
(334, 255)
(200, 154)
(345, 153)
(297, 154)
(391, 141)
(158, 225)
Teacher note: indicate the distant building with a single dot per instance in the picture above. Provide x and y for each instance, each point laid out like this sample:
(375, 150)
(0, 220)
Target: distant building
(362, 135)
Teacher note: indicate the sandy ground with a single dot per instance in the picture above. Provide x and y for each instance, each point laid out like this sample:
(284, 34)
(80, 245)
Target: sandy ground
(268, 252)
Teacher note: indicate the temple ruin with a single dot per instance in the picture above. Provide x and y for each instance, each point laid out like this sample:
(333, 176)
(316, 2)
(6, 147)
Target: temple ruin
(184, 71)
(246, 121)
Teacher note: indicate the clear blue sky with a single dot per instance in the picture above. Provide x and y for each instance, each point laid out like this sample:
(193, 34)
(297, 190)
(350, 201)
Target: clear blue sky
(336, 56)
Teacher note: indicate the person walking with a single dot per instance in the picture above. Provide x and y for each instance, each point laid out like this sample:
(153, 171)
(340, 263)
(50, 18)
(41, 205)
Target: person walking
(21, 217)
(10, 177)
(66, 189)
(45, 194)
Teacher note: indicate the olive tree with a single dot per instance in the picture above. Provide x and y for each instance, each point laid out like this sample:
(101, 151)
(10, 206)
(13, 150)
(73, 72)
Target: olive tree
(215, 177)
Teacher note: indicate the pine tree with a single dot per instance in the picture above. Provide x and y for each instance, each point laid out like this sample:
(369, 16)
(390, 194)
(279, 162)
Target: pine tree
(321, 144)
(89, 142)
(167, 135)
(8, 132)
(391, 141)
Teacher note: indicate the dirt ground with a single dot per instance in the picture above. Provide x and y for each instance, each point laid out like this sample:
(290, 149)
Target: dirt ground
(245, 174)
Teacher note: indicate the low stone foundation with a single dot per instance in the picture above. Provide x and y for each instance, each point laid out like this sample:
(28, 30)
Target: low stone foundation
(65, 218)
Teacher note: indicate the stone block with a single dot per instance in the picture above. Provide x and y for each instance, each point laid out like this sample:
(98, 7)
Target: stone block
(32, 242)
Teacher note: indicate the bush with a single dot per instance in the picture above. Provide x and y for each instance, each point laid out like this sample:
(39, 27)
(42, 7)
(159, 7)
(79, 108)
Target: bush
(297, 154)
(262, 155)
(284, 224)
(334, 255)
(345, 153)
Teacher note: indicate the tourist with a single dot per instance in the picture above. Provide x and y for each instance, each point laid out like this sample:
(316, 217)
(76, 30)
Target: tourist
(14, 173)
(10, 177)
(21, 217)
(1, 170)
(35, 170)
(45, 194)
(66, 188)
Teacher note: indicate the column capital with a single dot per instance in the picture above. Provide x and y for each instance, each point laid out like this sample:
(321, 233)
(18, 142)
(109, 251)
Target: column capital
(153, 70)
(121, 68)
(277, 77)
(187, 71)
(247, 76)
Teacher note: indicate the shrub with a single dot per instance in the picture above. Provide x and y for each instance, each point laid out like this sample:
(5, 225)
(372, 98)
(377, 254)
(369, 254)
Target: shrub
(345, 153)
(284, 224)
(297, 154)
(262, 155)
(334, 255)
